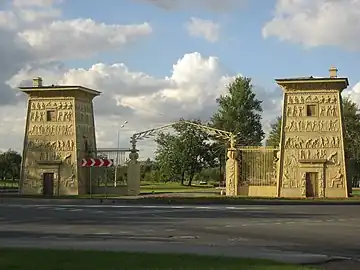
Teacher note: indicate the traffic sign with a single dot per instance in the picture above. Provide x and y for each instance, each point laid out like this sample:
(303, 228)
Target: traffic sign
(97, 162)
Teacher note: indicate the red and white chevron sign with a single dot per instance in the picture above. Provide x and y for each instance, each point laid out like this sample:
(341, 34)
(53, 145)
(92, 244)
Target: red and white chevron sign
(97, 162)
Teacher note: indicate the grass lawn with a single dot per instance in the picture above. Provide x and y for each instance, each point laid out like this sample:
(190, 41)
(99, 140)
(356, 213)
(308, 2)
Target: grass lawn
(38, 259)
(171, 187)
(356, 192)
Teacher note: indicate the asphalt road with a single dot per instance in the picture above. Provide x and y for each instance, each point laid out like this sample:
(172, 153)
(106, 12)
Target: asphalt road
(232, 230)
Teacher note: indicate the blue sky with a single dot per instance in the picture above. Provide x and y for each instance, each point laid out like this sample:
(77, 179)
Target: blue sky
(166, 72)
(241, 47)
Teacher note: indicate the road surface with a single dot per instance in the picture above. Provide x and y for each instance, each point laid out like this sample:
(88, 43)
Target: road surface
(234, 230)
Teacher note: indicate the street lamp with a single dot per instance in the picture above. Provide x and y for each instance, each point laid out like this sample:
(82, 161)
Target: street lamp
(117, 152)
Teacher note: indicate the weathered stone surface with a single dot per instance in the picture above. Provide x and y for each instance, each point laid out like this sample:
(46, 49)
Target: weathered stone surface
(312, 159)
(59, 132)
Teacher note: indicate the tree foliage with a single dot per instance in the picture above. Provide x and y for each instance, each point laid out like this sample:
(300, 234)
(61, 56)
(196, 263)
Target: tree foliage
(10, 164)
(239, 111)
(274, 134)
(185, 153)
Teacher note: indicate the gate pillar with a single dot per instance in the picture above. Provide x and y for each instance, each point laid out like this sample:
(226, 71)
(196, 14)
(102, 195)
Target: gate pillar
(232, 172)
(133, 176)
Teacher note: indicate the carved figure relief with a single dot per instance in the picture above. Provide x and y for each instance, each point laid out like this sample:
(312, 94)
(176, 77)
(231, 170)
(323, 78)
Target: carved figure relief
(303, 185)
(312, 125)
(69, 182)
(334, 158)
(51, 130)
(276, 166)
(231, 164)
(64, 105)
(64, 116)
(288, 181)
(329, 111)
(49, 156)
(321, 142)
(57, 145)
(295, 111)
(322, 99)
(321, 185)
(312, 154)
(337, 180)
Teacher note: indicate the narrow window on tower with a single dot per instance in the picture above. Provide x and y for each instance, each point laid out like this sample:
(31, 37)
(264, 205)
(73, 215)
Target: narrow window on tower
(51, 116)
(311, 110)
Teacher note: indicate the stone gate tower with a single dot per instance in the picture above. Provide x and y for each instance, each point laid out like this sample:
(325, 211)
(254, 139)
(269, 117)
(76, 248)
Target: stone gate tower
(312, 158)
(59, 132)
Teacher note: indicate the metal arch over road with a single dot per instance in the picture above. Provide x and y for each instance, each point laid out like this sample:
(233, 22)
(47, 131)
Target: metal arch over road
(218, 133)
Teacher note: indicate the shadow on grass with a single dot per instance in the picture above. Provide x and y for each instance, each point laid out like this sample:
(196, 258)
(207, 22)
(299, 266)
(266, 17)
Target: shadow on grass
(39, 259)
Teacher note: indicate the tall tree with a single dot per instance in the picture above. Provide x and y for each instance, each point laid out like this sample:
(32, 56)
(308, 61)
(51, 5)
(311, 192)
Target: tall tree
(274, 134)
(10, 163)
(240, 112)
(184, 153)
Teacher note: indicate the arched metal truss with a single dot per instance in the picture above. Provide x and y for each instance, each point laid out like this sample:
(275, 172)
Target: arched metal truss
(217, 133)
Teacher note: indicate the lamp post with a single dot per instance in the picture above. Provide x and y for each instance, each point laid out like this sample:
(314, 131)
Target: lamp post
(117, 152)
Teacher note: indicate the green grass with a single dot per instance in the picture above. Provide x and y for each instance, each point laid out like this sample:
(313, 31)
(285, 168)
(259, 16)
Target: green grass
(37, 259)
(9, 183)
(356, 192)
(172, 187)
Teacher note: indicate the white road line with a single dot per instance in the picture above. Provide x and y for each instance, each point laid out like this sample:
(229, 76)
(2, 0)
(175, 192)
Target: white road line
(62, 206)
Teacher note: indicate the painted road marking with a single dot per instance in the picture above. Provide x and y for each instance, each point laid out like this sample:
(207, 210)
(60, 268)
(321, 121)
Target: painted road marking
(62, 206)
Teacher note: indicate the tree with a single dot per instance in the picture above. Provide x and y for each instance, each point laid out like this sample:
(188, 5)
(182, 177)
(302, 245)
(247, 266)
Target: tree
(10, 164)
(351, 113)
(240, 113)
(168, 155)
(274, 135)
(184, 153)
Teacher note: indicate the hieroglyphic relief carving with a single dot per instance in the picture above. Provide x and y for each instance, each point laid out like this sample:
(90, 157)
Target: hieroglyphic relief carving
(51, 130)
(321, 181)
(329, 111)
(289, 176)
(337, 180)
(231, 172)
(69, 182)
(49, 156)
(295, 111)
(321, 142)
(60, 104)
(312, 125)
(333, 158)
(301, 99)
(57, 145)
(303, 185)
(288, 180)
(312, 154)
(65, 116)
(37, 116)
(311, 86)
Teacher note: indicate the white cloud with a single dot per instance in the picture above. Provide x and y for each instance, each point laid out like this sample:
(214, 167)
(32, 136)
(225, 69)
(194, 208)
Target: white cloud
(33, 34)
(35, 3)
(316, 23)
(146, 101)
(52, 41)
(353, 93)
(203, 28)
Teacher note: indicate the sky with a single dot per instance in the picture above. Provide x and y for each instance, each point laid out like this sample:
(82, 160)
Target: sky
(156, 61)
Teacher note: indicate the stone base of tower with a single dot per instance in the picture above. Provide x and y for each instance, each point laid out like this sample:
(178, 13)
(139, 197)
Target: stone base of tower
(315, 179)
(54, 178)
